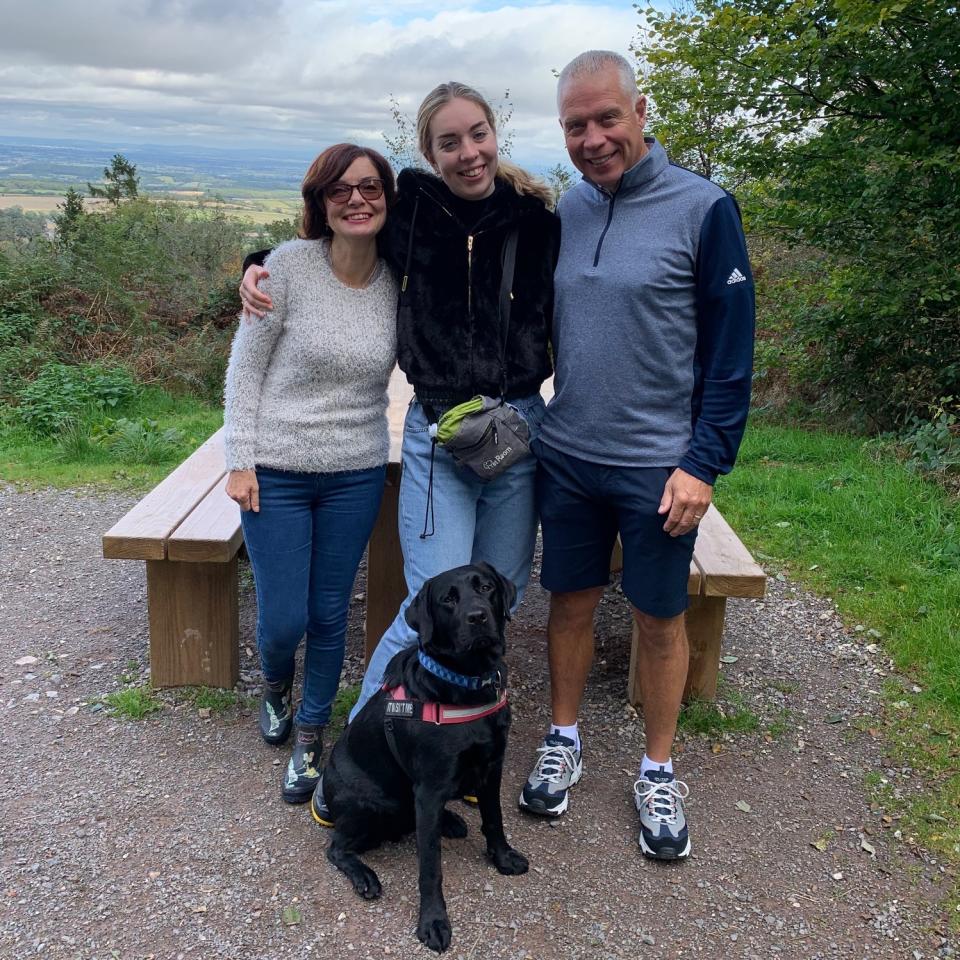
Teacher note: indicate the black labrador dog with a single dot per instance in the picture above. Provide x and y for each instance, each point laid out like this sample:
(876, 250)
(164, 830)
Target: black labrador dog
(437, 731)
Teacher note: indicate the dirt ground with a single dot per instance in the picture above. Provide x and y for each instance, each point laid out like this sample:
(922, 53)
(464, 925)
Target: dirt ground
(166, 837)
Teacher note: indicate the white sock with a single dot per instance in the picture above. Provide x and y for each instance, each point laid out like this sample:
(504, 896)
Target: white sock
(569, 732)
(647, 764)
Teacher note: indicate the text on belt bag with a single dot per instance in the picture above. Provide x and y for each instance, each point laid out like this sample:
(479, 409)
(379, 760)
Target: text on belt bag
(487, 434)
(484, 434)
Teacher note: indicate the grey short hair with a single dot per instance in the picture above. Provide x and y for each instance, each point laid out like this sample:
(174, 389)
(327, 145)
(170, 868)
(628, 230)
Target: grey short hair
(596, 61)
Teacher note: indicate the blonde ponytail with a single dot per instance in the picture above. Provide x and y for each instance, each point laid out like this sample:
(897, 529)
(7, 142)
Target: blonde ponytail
(524, 183)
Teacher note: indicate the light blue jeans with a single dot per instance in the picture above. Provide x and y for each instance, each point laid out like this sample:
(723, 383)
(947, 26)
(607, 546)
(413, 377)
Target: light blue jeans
(473, 521)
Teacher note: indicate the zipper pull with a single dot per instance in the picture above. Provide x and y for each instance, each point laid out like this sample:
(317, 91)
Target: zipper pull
(496, 438)
(470, 243)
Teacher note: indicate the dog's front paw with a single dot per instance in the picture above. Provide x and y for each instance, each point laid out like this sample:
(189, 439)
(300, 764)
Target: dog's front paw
(452, 825)
(434, 932)
(509, 861)
(367, 883)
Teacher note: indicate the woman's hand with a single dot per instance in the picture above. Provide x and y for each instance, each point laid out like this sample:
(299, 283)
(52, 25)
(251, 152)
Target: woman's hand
(242, 485)
(255, 302)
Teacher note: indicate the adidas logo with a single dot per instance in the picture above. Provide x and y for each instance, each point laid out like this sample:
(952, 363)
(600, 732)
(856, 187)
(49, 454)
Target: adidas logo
(735, 277)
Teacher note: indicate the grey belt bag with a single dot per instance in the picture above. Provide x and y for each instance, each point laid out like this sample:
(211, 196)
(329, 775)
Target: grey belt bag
(485, 434)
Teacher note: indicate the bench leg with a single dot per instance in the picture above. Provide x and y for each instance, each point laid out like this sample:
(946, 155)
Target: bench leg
(386, 586)
(704, 631)
(704, 622)
(194, 623)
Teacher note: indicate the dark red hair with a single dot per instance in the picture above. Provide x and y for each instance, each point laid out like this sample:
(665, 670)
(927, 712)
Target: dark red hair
(328, 168)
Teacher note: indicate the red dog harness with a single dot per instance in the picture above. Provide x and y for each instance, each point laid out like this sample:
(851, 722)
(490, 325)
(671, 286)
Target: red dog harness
(402, 707)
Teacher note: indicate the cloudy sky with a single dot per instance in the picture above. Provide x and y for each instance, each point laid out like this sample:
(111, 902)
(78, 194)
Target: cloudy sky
(284, 73)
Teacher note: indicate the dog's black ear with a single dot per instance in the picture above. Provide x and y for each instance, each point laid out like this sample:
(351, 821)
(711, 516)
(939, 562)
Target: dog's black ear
(418, 615)
(508, 592)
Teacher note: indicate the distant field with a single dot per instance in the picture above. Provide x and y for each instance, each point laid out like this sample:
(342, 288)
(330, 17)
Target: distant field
(255, 209)
(29, 204)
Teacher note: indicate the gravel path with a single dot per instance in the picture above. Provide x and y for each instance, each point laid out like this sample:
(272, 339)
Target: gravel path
(167, 838)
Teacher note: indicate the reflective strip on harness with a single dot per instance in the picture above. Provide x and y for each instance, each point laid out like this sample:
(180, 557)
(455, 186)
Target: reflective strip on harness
(403, 707)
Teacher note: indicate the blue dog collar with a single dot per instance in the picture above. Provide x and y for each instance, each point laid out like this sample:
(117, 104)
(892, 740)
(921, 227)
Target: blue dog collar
(451, 676)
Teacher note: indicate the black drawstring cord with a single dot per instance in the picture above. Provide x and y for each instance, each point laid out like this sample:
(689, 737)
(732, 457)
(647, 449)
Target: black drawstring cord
(428, 516)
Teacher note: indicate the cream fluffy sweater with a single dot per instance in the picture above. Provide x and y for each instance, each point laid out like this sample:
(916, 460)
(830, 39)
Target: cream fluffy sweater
(306, 386)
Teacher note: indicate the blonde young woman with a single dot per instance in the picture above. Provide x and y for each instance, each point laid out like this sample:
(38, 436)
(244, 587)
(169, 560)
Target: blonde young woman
(445, 240)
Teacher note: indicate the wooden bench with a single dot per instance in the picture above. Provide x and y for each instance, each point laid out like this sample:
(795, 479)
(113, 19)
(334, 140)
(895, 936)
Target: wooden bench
(188, 531)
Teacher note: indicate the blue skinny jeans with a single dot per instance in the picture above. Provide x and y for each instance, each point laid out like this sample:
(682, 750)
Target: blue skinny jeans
(305, 545)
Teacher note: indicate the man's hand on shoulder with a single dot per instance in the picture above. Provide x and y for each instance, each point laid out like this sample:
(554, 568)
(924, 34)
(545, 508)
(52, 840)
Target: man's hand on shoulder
(255, 302)
(685, 500)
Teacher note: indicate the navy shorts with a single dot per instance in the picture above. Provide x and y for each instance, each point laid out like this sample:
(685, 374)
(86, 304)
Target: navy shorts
(584, 505)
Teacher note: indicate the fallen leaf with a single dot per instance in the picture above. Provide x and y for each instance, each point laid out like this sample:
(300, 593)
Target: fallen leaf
(820, 844)
(729, 658)
(291, 916)
(833, 718)
(868, 847)
(744, 806)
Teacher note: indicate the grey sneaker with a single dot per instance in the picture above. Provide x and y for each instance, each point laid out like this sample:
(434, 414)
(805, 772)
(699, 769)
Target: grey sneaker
(558, 768)
(659, 798)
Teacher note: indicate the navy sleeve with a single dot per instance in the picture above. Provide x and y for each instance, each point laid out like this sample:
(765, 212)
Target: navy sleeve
(724, 358)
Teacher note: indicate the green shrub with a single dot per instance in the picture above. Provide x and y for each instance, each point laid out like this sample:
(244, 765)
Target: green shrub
(75, 440)
(15, 327)
(61, 393)
(142, 441)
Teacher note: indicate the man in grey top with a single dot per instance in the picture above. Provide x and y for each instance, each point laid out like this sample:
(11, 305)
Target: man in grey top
(653, 340)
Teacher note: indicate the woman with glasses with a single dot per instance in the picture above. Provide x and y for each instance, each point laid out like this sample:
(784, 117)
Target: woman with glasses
(306, 439)
(446, 242)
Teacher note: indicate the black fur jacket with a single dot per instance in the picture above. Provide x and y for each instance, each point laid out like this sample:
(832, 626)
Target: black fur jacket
(449, 335)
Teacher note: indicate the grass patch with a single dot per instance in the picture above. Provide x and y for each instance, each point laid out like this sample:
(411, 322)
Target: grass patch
(131, 703)
(709, 718)
(343, 703)
(214, 699)
(156, 434)
(779, 726)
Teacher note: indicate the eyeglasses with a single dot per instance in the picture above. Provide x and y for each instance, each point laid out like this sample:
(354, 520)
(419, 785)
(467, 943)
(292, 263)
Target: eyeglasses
(370, 189)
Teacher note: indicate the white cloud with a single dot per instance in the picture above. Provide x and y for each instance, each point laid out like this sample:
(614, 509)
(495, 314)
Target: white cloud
(297, 73)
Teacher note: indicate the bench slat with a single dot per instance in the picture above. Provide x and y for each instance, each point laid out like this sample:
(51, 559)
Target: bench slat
(725, 563)
(212, 533)
(143, 532)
